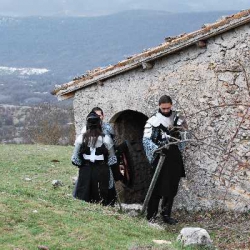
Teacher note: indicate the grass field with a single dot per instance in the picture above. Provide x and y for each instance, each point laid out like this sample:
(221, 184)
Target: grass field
(34, 213)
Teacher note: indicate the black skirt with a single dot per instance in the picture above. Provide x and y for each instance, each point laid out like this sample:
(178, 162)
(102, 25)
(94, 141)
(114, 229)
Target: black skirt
(93, 183)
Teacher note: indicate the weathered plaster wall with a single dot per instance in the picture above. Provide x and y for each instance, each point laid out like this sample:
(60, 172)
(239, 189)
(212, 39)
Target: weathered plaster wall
(217, 164)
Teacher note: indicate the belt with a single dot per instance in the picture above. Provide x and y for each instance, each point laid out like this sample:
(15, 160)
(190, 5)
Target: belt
(89, 163)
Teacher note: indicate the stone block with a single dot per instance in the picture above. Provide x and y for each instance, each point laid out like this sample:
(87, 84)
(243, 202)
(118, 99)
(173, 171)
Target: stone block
(194, 236)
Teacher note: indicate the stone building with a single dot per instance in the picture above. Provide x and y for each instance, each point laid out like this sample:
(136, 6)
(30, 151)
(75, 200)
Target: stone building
(207, 73)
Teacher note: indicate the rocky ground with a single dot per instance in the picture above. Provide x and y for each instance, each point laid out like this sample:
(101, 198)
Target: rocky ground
(228, 230)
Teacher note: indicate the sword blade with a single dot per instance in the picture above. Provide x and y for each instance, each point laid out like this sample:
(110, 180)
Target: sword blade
(153, 182)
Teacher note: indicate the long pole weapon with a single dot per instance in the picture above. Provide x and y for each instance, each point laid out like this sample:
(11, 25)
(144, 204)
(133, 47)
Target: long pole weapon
(158, 170)
(118, 198)
(153, 182)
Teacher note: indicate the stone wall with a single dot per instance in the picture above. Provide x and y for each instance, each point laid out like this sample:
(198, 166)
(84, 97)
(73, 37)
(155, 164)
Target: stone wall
(211, 86)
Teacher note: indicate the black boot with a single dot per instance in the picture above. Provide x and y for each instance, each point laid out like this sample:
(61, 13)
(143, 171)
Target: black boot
(169, 220)
(167, 205)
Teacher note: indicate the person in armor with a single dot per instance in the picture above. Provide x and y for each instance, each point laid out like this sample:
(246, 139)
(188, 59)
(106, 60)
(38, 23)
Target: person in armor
(94, 156)
(123, 170)
(159, 130)
(115, 173)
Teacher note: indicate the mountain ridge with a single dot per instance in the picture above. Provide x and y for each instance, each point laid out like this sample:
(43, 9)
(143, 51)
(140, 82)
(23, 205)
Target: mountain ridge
(69, 46)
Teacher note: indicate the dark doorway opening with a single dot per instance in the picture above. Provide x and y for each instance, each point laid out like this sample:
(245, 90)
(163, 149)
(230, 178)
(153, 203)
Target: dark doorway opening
(129, 125)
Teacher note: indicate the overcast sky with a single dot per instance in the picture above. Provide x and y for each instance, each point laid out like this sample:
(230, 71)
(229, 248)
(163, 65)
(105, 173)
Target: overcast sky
(99, 7)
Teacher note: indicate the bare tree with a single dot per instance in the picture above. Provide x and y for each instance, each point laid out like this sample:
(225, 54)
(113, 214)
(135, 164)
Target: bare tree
(49, 124)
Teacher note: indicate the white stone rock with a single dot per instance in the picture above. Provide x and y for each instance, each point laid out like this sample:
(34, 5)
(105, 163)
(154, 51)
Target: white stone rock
(135, 207)
(226, 77)
(132, 209)
(57, 183)
(194, 236)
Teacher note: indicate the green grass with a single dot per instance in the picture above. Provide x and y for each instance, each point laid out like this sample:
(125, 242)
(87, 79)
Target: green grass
(34, 213)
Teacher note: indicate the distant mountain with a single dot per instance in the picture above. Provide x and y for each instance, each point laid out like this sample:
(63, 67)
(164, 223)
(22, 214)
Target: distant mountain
(61, 48)
(107, 7)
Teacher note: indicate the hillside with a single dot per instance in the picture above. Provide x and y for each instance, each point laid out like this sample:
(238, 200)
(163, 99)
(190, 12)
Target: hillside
(38, 52)
(34, 213)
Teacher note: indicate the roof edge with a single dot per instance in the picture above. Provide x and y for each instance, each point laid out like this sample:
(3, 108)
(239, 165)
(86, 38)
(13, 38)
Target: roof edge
(164, 49)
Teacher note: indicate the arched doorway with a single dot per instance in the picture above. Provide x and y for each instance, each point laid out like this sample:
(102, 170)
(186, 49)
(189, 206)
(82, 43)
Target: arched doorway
(129, 125)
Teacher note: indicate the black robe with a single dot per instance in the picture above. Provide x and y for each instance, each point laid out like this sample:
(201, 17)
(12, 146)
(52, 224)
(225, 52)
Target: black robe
(173, 167)
(93, 183)
(94, 177)
(171, 172)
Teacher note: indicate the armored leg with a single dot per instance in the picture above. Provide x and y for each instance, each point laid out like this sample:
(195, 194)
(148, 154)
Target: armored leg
(167, 204)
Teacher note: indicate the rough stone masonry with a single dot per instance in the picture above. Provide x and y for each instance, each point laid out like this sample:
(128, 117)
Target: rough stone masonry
(210, 85)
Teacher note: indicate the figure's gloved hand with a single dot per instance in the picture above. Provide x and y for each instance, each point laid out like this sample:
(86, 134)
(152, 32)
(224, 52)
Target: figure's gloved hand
(75, 164)
(170, 128)
(164, 151)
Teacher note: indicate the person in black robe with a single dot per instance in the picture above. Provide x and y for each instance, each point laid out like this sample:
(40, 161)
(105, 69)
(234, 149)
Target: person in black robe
(107, 129)
(159, 130)
(94, 156)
